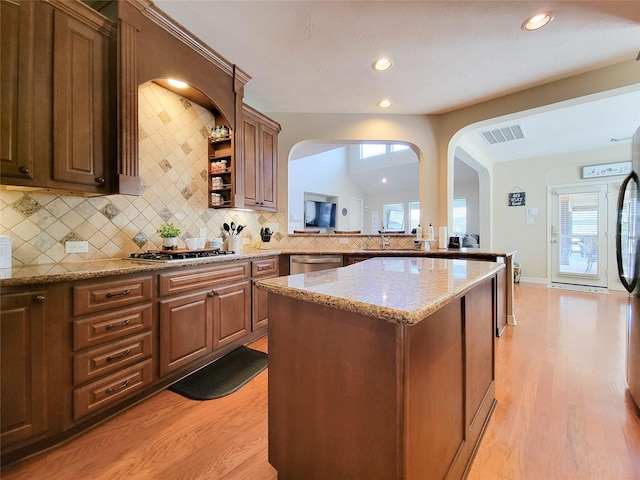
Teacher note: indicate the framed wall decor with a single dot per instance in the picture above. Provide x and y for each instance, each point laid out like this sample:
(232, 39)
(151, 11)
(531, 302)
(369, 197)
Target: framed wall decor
(606, 169)
(517, 199)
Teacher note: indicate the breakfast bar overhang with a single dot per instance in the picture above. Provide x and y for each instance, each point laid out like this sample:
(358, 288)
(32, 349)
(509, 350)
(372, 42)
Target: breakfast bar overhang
(381, 370)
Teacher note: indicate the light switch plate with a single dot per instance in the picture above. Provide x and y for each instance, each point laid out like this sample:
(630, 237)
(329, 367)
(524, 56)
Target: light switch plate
(344, 241)
(203, 233)
(246, 241)
(530, 221)
(76, 247)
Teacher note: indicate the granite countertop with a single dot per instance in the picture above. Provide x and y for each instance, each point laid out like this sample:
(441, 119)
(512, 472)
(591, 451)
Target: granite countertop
(397, 290)
(70, 271)
(408, 252)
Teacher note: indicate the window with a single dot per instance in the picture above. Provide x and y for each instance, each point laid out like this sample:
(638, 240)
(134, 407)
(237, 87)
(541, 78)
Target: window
(394, 216)
(459, 215)
(374, 149)
(414, 215)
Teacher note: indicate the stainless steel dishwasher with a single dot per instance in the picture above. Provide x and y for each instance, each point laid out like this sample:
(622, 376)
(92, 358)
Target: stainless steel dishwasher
(312, 263)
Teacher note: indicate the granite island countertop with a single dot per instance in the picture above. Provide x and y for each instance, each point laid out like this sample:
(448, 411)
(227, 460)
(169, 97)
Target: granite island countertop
(397, 290)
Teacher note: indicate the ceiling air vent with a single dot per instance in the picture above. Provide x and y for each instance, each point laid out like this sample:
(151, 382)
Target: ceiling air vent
(504, 134)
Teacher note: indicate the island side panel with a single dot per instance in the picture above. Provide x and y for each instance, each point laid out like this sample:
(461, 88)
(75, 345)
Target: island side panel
(435, 393)
(480, 307)
(333, 403)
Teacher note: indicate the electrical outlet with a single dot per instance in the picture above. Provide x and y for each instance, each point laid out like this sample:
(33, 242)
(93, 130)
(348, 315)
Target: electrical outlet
(344, 241)
(203, 233)
(273, 227)
(76, 247)
(246, 241)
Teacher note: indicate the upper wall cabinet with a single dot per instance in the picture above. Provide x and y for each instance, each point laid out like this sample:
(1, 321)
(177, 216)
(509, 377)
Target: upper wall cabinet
(260, 149)
(55, 96)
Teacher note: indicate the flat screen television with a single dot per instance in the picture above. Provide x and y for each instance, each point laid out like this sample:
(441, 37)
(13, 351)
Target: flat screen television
(319, 214)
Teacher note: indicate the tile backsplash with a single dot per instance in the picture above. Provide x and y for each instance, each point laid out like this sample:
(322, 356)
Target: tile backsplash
(173, 167)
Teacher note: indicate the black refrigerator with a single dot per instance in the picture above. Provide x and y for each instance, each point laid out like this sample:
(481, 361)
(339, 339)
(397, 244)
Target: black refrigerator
(628, 256)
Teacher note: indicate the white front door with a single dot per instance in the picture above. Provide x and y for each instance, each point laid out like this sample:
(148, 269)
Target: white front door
(579, 235)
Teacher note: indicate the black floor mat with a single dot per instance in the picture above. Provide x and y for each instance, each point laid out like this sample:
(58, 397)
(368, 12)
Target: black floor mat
(222, 377)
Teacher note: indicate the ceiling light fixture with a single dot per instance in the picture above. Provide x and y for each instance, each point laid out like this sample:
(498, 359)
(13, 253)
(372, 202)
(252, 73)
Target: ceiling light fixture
(384, 180)
(177, 83)
(384, 103)
(382, 64)
(537, 21)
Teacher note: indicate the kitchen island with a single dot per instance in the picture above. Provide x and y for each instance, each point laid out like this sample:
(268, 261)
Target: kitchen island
(382, 369)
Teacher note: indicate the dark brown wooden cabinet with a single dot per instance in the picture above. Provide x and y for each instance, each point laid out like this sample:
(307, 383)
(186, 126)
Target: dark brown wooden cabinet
(260, 151)
(26, 64)
(55, 95)
(24, 379)
(202, 310)
(232, 313)
(260, 270)
(112, 342)
(186, 330)
(80, 102)
(73, 354)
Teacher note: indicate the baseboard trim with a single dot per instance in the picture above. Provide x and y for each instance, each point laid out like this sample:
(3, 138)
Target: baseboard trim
(579, 288)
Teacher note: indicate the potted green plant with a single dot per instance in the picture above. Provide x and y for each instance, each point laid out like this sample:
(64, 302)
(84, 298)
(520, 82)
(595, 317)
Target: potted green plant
(169, 234)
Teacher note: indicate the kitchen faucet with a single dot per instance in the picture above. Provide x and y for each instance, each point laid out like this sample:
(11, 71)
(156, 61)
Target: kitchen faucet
(384, 241)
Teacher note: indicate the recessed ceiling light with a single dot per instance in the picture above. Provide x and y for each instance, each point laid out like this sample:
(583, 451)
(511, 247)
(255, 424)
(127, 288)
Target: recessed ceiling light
(384, 103)
(382, 64)
(177, 83)
(537, 21)
(384, 180)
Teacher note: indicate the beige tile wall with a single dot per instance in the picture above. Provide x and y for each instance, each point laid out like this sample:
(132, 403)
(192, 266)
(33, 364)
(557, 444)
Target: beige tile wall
(173, 162)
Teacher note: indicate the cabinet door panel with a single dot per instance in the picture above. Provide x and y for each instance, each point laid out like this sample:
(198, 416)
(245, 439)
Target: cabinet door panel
(23, 371)
(80, 55)
(250, 149)
(259, 307)
(186, 330)
(25, 28)
(232, 312)
(269, 146)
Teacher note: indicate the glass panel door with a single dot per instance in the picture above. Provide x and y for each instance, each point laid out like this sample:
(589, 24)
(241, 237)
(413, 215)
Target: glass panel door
(578, 236)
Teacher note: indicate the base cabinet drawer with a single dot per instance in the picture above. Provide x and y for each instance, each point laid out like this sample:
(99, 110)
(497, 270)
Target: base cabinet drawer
(105, 327)
(95, 363)
(111, 389)
(100, 296)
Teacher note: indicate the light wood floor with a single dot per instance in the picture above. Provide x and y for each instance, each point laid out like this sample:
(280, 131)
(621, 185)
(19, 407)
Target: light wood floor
(562, 413)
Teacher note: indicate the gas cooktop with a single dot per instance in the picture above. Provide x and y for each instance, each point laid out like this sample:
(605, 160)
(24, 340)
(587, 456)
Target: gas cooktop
(174, 256)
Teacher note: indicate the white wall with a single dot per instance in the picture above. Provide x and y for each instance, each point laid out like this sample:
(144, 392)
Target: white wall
(322, 174)
(533, 176)
(418, 130)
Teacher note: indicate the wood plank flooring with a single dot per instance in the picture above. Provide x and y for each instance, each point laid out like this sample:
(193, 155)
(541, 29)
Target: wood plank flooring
(562, 413)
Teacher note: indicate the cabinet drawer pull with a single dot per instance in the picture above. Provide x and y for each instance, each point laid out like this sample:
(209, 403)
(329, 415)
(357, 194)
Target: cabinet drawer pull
(126, 292)
(264, 267)
(40, 298)
(111, 358)
(112, 390)
(111, 326)
(214, 293)
(100, 181)
(23, 170)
